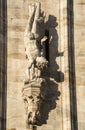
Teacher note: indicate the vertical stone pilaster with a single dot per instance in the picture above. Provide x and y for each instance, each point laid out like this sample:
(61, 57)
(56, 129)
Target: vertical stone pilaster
(71, 63)
(66, 120)
(3, 63)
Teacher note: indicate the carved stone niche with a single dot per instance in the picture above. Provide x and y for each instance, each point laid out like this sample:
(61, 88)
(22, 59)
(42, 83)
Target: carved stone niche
(34, 89)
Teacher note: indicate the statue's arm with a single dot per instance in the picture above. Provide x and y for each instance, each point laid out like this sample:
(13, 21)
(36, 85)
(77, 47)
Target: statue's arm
(30, 20)
(36, 17)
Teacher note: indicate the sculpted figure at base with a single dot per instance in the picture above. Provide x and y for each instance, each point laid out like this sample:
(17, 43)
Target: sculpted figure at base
(34, 85)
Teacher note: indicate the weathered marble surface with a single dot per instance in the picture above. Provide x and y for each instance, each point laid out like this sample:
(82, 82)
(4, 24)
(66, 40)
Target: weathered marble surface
(17, 17)
(59, 117)
(79, 40)
(17, 20)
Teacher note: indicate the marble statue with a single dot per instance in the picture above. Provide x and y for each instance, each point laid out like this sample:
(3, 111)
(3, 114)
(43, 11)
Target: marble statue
(33, 40)
(34, 85)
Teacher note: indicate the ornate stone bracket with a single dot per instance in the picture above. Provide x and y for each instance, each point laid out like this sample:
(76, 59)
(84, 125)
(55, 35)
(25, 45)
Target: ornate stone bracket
(33, 96)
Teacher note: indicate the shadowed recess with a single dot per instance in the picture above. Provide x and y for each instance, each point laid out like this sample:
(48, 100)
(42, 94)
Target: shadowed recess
(3, 63)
